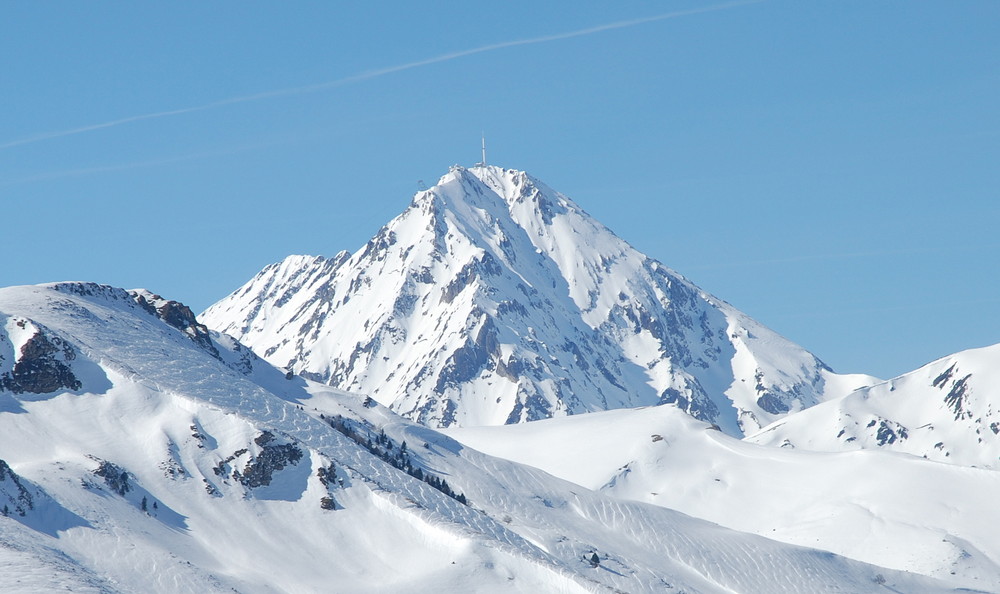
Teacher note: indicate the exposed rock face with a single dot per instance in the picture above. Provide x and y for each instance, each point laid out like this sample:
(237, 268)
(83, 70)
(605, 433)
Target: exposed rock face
(41, 365)
(272, 458)
(14, 496)
(260, 468)
(115, 477)
(178, 315)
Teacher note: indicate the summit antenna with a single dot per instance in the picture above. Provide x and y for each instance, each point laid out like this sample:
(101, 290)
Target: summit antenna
(484, 149)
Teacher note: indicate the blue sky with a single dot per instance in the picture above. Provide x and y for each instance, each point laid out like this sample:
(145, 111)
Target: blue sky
(832, 168)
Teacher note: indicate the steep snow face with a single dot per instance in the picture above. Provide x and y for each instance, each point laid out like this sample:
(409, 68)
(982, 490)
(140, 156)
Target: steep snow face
(494, 299)
(948, 411)
(884, 508)
(178, 467)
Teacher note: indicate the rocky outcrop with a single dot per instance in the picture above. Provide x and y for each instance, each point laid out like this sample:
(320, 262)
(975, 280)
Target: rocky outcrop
(177, 315)
(14, 496)
(42, 365)
(115, 477)
(272, 457)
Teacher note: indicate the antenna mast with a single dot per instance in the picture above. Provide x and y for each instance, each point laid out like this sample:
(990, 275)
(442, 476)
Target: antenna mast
(484, 149)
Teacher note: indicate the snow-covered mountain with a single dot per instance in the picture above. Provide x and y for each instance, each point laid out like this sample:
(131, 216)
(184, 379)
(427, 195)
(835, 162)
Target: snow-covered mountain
(143, 453)
(948, 410)
(881, 507)
(493, 299)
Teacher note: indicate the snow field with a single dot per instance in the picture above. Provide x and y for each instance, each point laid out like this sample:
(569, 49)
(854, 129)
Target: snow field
(886, 509)
(394, 532)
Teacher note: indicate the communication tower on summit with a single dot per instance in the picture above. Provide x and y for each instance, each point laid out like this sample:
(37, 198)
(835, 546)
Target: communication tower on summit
(483, 162)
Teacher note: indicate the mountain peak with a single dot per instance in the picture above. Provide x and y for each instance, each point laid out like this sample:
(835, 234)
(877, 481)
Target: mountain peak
(495, 299)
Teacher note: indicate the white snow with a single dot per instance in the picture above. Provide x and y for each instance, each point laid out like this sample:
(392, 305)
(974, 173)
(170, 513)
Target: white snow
(883, 508)
(167, 412)
(948, 410)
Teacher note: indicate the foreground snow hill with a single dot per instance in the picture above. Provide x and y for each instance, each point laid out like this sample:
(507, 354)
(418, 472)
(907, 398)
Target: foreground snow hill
(494, 299)
(884, 508)
(143, 453)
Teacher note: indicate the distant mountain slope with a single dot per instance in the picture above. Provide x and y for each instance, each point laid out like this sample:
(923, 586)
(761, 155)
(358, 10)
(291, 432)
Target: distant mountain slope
(142, 453)
(494, 299)
(948, 410)
(891, 510)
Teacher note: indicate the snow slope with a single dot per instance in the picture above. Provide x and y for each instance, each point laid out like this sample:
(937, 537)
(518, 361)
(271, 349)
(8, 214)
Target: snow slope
(494, 299)
(159, 457)
(948, 410)
(884, 508)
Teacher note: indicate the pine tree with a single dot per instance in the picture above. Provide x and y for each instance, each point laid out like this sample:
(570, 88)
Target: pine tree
(595, 560)
(143, 504)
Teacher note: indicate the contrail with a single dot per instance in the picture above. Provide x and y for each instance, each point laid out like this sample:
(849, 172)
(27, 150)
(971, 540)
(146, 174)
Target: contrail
(134, 165)
(373, 73)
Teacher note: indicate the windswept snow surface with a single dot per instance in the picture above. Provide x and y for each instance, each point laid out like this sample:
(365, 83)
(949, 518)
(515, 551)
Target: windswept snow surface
(884, 508)
(156, 460)
(494, 299)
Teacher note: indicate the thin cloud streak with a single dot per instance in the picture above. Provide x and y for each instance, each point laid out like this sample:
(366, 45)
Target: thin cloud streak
(373, 73)
(136, 165)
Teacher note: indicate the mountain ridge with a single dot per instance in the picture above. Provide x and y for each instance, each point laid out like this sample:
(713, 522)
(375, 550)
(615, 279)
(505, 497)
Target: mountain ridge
(947, 410)
(494, 299)
(178, 466)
